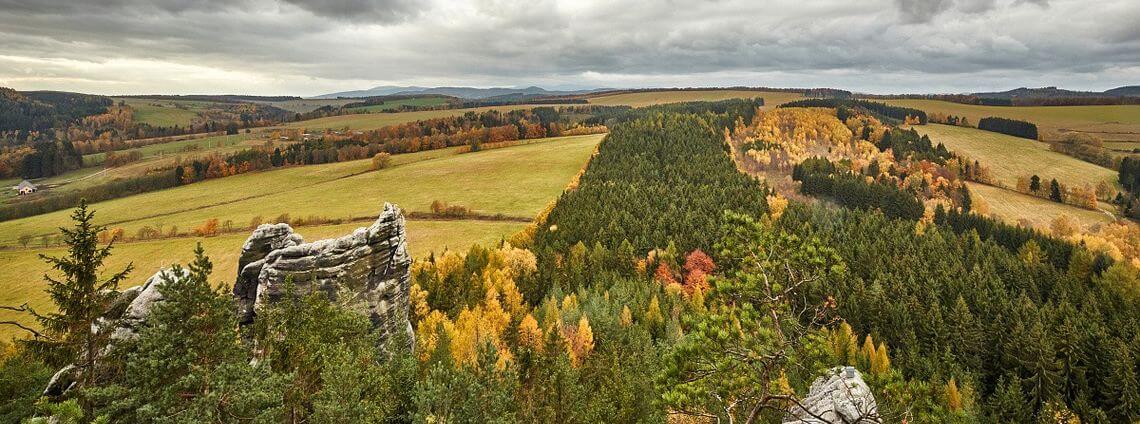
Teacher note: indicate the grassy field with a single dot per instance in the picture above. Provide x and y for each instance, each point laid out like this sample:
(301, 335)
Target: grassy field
(395, 104)
(22, 274)
(1122, 146)
(178, 147)
(308, 105)
(154, 157)
(1111, 123)
(647, 98)
(165, 154)
(165, 113)
(368, 121)
(1014, 207)
(515, 181)
(1010, 157)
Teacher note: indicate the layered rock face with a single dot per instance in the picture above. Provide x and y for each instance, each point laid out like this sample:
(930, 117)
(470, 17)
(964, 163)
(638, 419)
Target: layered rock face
(367, 271)
(839, 396)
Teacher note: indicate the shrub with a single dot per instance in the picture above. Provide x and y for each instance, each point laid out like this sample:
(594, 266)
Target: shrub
(381, 160)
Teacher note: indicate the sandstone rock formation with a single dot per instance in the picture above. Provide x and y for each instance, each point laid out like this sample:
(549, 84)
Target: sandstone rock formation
(839, 396)
(265, 239)
(123, 318)
(367, 271)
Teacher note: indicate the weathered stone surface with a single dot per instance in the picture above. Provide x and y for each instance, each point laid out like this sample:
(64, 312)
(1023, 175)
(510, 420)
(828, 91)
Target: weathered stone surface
(125, 316)
(839, 396)
(367, 271)
(62, 381)
(132, 319)
(265, 239)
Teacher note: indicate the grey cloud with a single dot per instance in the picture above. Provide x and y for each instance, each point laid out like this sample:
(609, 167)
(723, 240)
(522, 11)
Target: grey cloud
(290, 46)
(380, 11)
(922, 11)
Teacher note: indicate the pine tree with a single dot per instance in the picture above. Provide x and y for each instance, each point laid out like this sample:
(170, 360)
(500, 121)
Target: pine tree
(966, 337)
(967, 202)
(1123, 386)
(80, 297)
(1008, 403)
(192, 328)
(1055, 191)
(188, 356)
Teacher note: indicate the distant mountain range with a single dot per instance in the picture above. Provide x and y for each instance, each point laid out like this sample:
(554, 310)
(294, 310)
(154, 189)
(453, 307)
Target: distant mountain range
(460, 92)
(1054, 92)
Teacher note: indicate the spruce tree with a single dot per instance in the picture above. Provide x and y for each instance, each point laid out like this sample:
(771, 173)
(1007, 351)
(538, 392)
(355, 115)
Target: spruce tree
(80, 297)
(1008, 403)
(1054, 191)
(1123, 386)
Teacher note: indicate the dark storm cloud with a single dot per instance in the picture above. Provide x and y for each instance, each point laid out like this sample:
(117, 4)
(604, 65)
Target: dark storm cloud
(311, 46)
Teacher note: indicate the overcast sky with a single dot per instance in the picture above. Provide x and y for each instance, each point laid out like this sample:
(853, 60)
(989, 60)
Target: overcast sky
(309, 47)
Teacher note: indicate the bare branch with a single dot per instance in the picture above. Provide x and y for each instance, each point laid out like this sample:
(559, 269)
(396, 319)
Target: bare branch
(35, 333)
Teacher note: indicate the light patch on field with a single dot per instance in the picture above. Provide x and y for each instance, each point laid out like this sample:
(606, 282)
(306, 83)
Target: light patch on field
(1013, 207)
(1010, 157)
(648, 98)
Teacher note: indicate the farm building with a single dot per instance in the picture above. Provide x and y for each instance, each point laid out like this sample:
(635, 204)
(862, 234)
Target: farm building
(25, 187)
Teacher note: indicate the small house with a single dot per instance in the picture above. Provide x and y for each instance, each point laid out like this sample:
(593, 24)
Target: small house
(25, 187)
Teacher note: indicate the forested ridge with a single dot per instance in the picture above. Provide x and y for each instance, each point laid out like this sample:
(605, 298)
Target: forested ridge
(665, 285)
(44, 110)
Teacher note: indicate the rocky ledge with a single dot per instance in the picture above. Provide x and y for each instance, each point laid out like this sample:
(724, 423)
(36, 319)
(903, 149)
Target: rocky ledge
(367, 271)
(839, 396)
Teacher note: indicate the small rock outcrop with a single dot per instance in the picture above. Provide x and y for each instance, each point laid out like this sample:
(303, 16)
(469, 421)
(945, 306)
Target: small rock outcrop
(123, 319)
(367, 271)
(839, 396)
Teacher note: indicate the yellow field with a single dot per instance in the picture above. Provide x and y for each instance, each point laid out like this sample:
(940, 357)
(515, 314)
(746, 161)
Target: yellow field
(515, 181)
(647, 98)
(1010, 157)
(1014, 207)
(1111, 123)
(21, 275)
